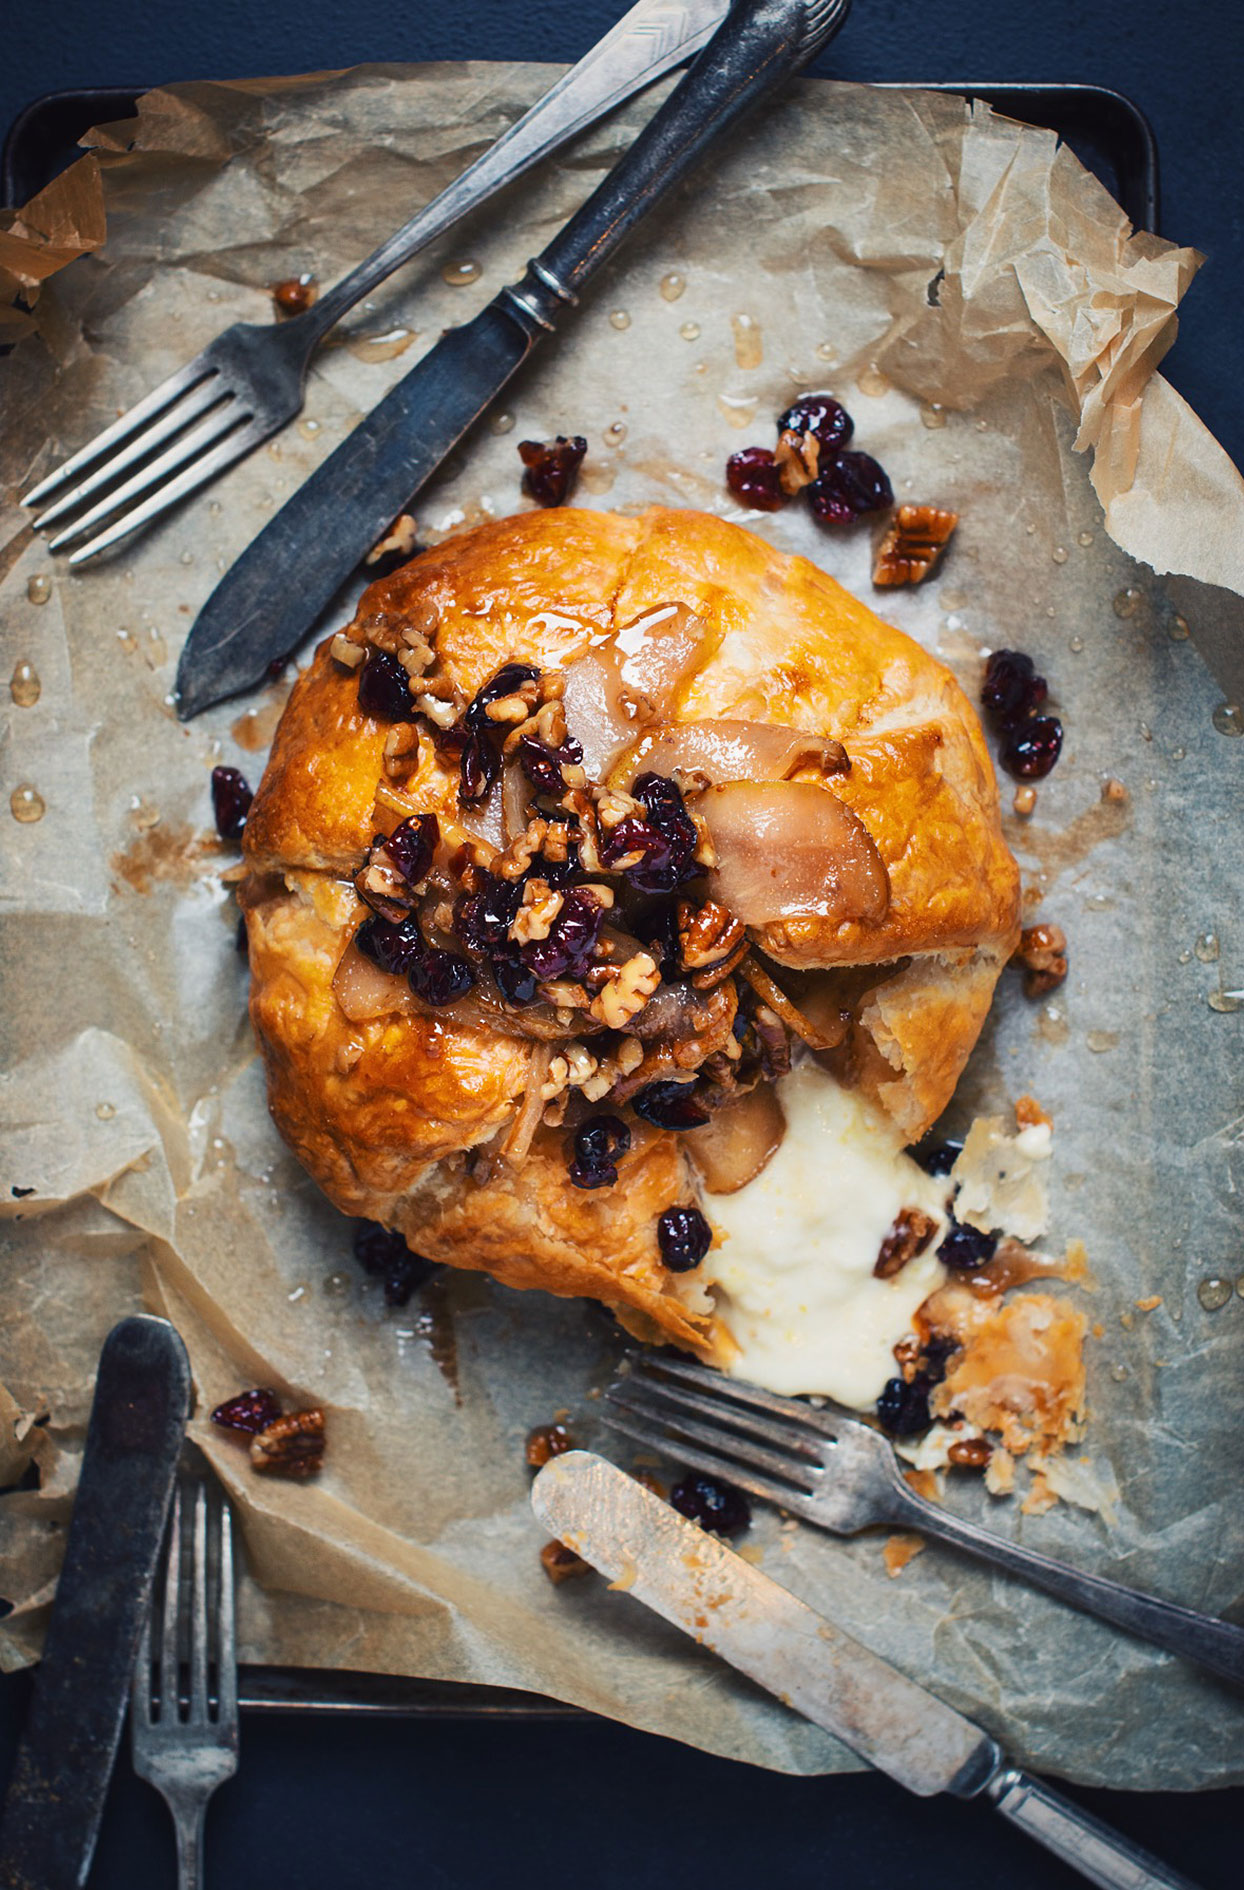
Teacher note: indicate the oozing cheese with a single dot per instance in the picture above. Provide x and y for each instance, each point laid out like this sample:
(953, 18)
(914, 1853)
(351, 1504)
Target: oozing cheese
(793, 1271)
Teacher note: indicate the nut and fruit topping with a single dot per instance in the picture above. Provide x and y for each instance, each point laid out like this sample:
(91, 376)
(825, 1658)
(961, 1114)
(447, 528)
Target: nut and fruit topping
(710, 939)
(551, 467)
(295, 294)
(560, 1564)
(249, 1411)
(684, 1237)
(903, 1407)
(965, 1249)
(915, 540)
(232, 795)
(811, 458)
(715, 1505)
(597, 1146)
(1011, 695)
(1042, 955)
(382, 1252)
(291, 1446)
(546, 1441)
(397, 547)
(911, 1233)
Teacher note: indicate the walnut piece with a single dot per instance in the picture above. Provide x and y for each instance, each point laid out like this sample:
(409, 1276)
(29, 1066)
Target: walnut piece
(798, 458)
(344, 651)
(534, 918)
(911, 1233)
(293, 1446)
(917, 537)
(560, 1563)
(1042, 956)
(398, 545)
(627, 991)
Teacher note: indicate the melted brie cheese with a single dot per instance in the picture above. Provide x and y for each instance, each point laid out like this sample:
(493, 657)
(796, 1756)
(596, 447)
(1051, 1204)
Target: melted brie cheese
(793, 1270)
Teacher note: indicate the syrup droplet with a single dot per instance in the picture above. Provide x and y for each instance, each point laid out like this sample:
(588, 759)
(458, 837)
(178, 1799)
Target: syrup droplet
(39, 589)
(1100, 1041)
(1185, 957)
(618, 318)
(826, 351)
(156, 651)
(1225, 1002)
(382, 347)
(338, 1285)
(1059, 554)
(308, 428)
(738, 410)
(1178, 754)
(1075, 644)
(1053, 1024)
(128, 641)
(672, 286)
(458, 274)
(299, 1292)
(1229, 718)
(932, 415)
(1127, 602)
(1214, 1292)
(749, 347)
(105, 1111)
(502, 422)
(1084, 538)
(1178, 631)
(1025, 799)
(872, 381)
(1207, 948)
(615, 433)
(187, 557)
(144, 815)
(27, 804)
(596, 478)
(690, 331)
(1118, 1373)
(24, 685)
(982, 426)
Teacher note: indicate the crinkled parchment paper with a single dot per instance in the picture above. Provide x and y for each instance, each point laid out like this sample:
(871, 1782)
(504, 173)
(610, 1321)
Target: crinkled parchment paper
(981, 305)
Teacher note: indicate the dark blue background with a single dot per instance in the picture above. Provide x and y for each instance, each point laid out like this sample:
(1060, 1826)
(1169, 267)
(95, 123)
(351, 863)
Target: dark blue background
(376, 1803)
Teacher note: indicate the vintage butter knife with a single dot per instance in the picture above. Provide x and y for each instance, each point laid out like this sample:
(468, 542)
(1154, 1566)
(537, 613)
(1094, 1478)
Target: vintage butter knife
(64, 1761)
(696, 1582)
(264, 606)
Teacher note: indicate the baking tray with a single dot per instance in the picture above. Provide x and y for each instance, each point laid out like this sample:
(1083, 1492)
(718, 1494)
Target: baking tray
(1112, 137)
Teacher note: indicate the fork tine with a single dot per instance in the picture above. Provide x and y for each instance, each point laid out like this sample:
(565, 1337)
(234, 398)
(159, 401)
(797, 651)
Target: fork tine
(752, 1428)
(232, 447)
(221, 420)
(680, 1430)
(142, 1691)
(151, 404)
(170, 1652)
(736, 1390)
(227, 1659)
(198, 401)
(711, 1464)
(198, 1608)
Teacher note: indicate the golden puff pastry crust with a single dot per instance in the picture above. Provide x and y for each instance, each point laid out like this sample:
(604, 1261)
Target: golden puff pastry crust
(400, 1118)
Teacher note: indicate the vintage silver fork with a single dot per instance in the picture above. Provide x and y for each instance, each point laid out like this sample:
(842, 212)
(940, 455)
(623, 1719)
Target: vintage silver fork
(249, 382)
(839, 1473)
(184, 1706)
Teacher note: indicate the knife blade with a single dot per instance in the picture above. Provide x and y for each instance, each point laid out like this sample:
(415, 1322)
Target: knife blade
(693, 1580)
(137, 1424)
(268, 600)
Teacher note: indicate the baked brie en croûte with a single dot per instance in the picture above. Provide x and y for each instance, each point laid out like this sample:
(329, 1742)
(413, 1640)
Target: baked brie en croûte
(622, 897)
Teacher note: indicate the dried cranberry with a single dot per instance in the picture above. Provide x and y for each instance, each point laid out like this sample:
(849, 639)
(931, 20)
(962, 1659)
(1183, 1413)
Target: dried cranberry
(667, 839)
(556, 873)
(394, 948)
(440, 977)
(684, 1237)
(382, 1251)
(596, 1146)
(232, 795)
(517, 985)
(658, 930)
(552, 467)
(482, 920)
(902, 1408)
(936, 1158)
(568, 949)
(411, 846)
(543, 765)
(963, 1249)
(1031, 750)
(822, 415)
(850, 485)
(755, 477)
(713, 1504)
(670, 1105)
(249, 1411)
(384, 688)
(478, 768)
(507, 681)
(1012, 690)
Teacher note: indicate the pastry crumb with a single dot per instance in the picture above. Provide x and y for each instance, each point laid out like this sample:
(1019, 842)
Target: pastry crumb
(1148, 1305)
(899, 1551)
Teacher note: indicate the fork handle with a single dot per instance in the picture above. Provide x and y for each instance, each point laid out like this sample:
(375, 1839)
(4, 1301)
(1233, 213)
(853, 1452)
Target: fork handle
(653, 37)
(1211, 1643)
(189, 1818)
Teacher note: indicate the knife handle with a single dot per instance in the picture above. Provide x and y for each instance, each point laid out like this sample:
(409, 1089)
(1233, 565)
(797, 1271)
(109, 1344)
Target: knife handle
(1103, 1856)
(758, 45)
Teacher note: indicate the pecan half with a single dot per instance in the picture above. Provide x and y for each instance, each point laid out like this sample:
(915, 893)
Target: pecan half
(1042, 956)
(916, 539)
(293, 1446)
(560, 1563)
(711, 941)
(911, 1233)
(547, 1440)
(973, 1453)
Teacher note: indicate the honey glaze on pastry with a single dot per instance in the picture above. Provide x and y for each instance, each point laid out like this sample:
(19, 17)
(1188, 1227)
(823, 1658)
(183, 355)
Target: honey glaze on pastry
(584, 834)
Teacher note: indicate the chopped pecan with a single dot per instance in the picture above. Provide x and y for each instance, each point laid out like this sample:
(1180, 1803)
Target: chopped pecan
(798, 459)
(1030, 1115)
(1042, 956)
(711, 941)
(970, 1452)
(547, 1440)
(560, 1563)
(911, 1233)
(292, 1446)
(295, 294)
(401, 750)
(916, 539)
